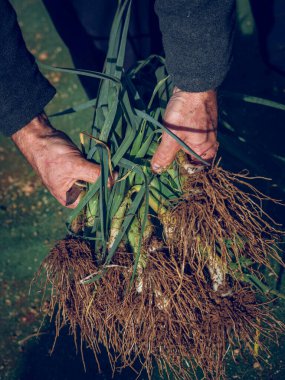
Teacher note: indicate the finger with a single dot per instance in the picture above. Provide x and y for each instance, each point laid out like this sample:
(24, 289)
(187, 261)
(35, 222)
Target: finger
(208, 154)
(64, 199)
(90, 172)
(61, 199)
(165, 153)
(87, 171)
(84, 171)
(74, 194)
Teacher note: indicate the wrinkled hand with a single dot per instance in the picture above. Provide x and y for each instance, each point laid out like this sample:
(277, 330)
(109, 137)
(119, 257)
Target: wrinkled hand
(193, 118)
(54, 157)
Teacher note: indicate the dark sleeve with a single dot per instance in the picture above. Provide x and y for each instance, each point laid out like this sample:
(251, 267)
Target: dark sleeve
(197, 38)
(24, 91)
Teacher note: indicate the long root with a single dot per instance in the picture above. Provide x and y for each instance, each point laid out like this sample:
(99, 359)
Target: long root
(177, 321)
(219, 222)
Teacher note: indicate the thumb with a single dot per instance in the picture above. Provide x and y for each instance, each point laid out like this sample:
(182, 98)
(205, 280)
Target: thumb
(84, 171)
(165, 153)
(87, 171)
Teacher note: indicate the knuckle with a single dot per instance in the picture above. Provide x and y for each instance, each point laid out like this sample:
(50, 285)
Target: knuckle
(162, 158)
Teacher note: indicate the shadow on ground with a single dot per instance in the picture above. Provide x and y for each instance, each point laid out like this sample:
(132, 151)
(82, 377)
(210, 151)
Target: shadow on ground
(64, 363)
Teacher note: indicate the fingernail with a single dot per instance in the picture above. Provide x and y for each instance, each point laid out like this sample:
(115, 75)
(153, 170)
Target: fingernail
(155, 167)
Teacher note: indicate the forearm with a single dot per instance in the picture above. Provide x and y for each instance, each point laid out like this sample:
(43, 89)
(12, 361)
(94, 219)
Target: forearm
(197, 38)
(24, 92)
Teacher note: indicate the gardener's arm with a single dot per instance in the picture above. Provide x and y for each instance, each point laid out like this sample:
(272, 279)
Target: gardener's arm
(24, 92)
(197, 38)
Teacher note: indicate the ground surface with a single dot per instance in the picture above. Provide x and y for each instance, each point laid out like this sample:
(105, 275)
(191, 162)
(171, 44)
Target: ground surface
(31, 220)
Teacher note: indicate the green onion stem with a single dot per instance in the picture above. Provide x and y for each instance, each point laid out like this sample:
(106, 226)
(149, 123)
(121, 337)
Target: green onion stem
(118, 219)
(134, 235)
(91, 211)
(156, 201)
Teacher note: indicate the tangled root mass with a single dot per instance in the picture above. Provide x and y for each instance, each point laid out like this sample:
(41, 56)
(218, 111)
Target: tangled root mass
(195, 306)
(216, 219)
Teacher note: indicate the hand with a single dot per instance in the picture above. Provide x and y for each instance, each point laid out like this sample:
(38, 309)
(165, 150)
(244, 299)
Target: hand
(54, 157)
(193, 118)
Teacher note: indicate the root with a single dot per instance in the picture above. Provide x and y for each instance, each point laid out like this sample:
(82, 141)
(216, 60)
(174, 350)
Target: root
(219, 222)
(177, 321)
